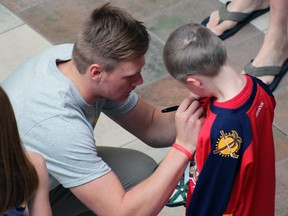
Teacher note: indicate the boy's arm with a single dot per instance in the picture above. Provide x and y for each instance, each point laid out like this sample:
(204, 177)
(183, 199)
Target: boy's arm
(215, 183)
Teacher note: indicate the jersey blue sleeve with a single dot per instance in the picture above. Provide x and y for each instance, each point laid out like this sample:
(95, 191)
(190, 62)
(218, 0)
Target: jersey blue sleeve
(229, 138)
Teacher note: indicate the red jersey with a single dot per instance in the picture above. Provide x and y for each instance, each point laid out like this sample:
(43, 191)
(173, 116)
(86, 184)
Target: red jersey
(233, 172)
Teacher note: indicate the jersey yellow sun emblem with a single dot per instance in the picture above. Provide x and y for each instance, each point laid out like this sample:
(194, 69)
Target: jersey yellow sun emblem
(228, 144)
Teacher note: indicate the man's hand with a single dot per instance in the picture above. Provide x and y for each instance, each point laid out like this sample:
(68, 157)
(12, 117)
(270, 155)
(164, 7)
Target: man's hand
(189, 120)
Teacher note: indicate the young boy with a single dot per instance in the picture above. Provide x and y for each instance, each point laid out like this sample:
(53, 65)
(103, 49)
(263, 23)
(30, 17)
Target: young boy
(233, 170)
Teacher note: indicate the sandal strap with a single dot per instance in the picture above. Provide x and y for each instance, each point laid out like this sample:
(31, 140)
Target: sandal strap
(261, 71)
(224, 14)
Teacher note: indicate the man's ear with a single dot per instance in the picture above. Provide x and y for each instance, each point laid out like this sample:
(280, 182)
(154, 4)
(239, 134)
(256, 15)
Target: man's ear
(192, 80)
(95, 71)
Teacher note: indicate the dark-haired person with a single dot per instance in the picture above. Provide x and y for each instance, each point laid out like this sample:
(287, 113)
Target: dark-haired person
(24, 182)
(58, 97)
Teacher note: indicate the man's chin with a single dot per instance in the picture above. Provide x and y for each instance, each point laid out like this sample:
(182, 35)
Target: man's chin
(122, 99)
(118, 99)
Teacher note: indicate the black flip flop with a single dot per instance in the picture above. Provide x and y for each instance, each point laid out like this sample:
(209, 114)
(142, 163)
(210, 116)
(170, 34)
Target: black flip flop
(277, 71)
(242, 19)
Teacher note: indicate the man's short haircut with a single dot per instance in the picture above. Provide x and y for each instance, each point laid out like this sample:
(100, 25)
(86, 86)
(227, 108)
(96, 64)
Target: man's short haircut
(108, 36)
(193, 49)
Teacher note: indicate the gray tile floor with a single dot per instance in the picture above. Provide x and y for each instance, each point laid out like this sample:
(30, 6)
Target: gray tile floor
(29, 26)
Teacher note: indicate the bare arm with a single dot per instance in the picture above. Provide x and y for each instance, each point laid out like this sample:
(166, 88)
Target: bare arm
(150, 196)
(40, 204)
(150, 125)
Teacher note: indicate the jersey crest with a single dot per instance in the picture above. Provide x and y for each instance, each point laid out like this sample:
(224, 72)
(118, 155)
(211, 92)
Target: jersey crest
(228, 144)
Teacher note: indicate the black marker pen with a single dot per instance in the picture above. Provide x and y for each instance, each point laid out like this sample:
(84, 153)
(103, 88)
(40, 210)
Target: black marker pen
(173, 108)
(170, 109)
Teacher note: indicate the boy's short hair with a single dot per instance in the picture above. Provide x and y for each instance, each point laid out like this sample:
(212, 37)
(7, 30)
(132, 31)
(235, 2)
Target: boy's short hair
(193, 49)
(109, 36)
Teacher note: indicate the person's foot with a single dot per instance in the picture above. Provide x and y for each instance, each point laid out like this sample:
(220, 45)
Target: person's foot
(234, 6)
(273, 52)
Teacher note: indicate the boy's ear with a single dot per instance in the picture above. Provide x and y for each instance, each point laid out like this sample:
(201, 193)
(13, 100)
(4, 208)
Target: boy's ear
(191, 80)
(95, 71)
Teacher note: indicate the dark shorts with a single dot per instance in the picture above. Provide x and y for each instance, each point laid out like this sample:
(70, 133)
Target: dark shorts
(129, 165)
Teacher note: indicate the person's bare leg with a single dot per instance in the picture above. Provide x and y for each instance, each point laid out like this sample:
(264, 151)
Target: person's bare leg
(274, 50)
(245, 6)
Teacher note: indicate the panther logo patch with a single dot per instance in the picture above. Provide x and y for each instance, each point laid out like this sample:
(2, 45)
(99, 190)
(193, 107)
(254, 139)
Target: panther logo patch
(228, 144)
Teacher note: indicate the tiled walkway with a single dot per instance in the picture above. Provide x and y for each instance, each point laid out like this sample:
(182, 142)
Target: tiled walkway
(29, 26)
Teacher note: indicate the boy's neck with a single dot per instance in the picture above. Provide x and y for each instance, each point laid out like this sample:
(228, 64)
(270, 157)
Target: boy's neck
(228, 84)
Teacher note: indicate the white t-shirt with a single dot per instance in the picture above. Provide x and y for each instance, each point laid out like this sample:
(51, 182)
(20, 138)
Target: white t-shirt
(54, 120)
